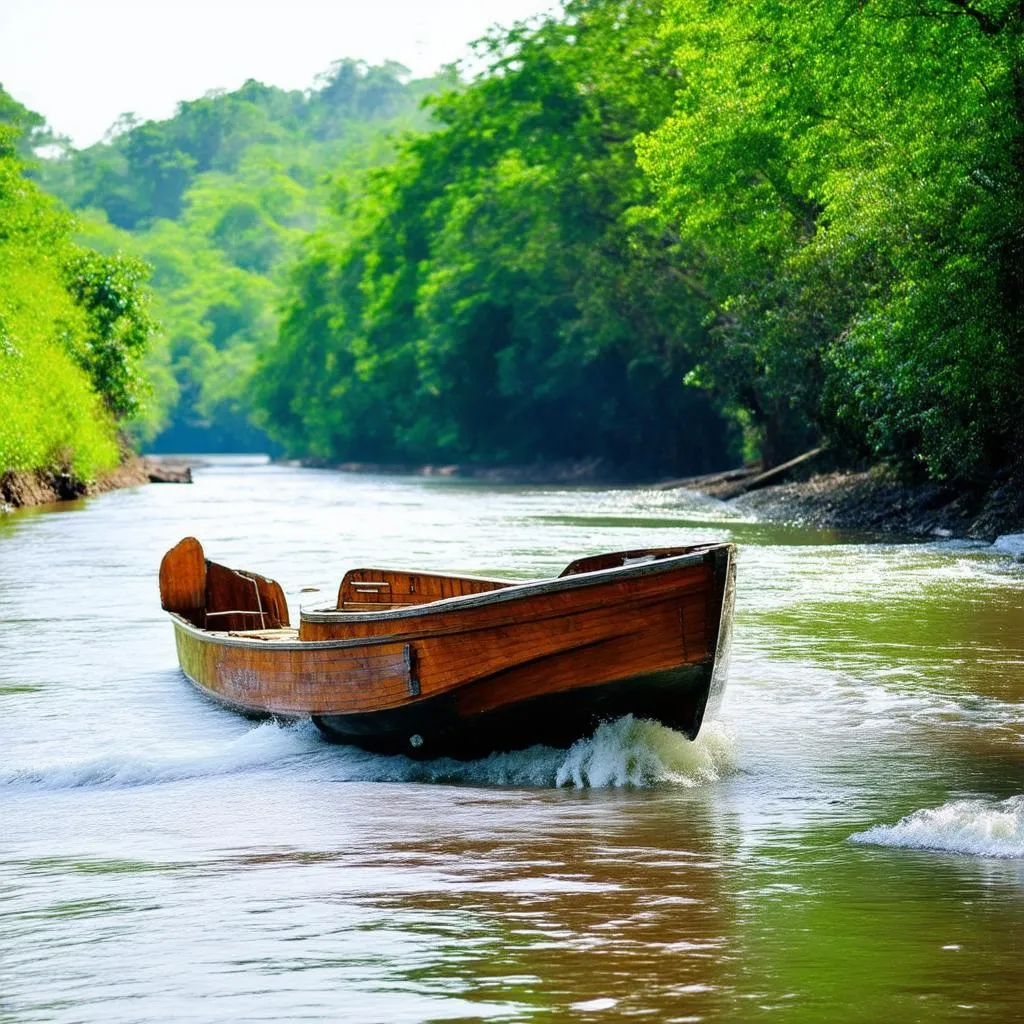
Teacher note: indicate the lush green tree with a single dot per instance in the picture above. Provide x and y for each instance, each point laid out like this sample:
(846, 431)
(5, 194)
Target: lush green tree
(31, 130)
(218, 200)
(109, 291)
(845, 179)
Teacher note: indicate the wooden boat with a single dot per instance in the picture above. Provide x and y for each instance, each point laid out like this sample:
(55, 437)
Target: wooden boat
(430, 665)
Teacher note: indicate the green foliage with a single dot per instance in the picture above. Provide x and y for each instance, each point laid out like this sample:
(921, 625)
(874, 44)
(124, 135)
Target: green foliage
(109, 291)
(72, 326)
(848, 181)
(648, 231)
(218, 200)
(142, 171)
(491, 296)
(31, 131)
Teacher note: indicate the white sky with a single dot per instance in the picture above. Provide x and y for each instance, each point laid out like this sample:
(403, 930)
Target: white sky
(81, 63)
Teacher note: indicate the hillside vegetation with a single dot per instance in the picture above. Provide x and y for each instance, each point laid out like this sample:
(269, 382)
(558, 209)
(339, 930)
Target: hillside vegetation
(662, 234)
(218, 200)
(73, 326)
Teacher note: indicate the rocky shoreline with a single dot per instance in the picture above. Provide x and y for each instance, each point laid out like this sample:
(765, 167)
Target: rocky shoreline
(876, 500)
(29, 488)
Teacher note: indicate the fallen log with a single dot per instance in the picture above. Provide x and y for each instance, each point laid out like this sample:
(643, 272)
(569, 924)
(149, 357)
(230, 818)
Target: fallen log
(168, 472)
(772, 476)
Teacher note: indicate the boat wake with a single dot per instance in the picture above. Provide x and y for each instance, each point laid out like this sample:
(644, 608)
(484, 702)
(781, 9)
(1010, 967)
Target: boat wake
(979, 828)
(265, 746)
(628, 752)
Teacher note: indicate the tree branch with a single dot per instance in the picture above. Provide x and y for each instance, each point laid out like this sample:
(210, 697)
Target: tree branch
(989, 25)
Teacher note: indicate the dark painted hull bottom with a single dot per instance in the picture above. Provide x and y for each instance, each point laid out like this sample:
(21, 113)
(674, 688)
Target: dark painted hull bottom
(434, 727)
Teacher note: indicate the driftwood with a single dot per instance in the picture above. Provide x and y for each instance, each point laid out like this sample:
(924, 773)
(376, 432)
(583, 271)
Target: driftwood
(774, 475)
(734, 482)
(160, 472)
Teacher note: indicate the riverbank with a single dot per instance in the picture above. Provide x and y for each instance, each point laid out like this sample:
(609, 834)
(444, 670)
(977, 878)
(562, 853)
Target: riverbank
(27, 488)
(877, 500)
(874, 500)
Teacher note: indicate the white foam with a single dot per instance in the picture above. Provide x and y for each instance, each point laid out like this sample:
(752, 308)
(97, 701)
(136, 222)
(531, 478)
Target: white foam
(637, 752)
(979, 828)
(591, 1005)
(1010, 544)
(627, 752)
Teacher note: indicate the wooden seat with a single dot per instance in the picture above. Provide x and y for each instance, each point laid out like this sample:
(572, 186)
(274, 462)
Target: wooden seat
(210, 595)
(380, 589)
(183, 581)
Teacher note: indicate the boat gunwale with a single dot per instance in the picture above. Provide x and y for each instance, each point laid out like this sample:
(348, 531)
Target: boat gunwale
(513, 592)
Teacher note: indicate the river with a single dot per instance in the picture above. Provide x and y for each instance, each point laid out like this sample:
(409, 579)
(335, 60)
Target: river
(845, 843)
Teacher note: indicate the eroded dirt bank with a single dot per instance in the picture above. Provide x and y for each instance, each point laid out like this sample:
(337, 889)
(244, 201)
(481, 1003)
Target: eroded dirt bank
(24, 488)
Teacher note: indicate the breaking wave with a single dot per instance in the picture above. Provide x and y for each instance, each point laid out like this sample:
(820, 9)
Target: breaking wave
(979, 828)
(628, 752)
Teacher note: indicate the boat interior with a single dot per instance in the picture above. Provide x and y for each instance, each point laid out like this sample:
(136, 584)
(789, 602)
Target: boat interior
(235, 602)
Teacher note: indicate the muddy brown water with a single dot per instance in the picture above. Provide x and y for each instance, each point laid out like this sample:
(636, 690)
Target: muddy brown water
(846, 843)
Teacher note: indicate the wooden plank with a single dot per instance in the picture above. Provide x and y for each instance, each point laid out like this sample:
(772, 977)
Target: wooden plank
(615, 559)
(395, 587)
(544, 606)
(276, 680)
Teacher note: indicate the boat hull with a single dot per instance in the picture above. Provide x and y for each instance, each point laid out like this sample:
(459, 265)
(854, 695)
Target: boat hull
(436, 728)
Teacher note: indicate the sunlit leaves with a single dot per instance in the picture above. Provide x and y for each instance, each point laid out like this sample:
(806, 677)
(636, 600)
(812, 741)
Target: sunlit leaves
(73, 325)
(219, 200)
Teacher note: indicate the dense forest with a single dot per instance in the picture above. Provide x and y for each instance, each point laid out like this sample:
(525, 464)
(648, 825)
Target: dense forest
(645, 218)
(668, 234)
(492, 295)
(217, 200)
(73, 325)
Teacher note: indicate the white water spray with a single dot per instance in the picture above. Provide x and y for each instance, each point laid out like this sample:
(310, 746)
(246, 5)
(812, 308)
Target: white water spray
(979, 828)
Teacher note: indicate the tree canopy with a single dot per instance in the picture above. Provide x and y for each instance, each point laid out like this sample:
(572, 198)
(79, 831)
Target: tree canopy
(492, 295)
(662, 233)
(848, 178)
(643, 221)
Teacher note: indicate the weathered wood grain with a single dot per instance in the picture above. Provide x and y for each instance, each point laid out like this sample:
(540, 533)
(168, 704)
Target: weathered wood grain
(371, 589)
